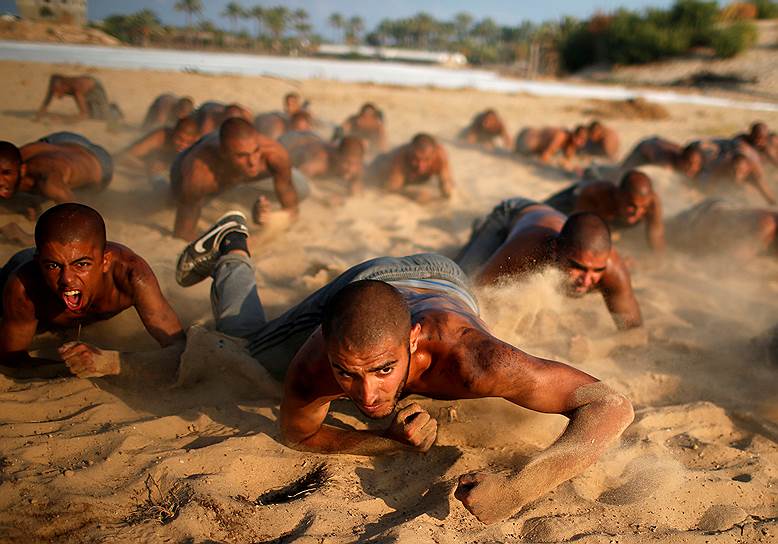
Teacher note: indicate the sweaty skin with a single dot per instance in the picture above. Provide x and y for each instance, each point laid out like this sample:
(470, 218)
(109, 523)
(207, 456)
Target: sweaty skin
(207, 170)
(660, 152)
(530, 247)
(77, 87)
(35, 300)
(54, 170)
(450, 354)
(405, 166)
(618, 209)
(547, 142)
(369, 127)
(484, 128)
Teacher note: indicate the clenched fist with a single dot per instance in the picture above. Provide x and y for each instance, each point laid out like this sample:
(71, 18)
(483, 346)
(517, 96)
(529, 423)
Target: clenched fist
(488, 497)
(87, 361)
(413, 426)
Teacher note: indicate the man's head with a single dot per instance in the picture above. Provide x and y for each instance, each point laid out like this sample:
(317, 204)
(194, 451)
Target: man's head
(490, 122)
(579, 136)
(758, 135)
(292, 103)
(596, 131)
(349, 159)
(636, 196)
(691, 160)
(369, 341)
(369, 109)
(422, 154)
(185, 133)
(183, 108)
(11, 169)
(70, 251)
(236, 110)
(239, 146)
(301, 121)
(583, 249)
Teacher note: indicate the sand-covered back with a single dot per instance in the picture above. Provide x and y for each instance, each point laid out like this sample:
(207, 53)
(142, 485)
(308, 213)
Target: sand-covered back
(80, 459)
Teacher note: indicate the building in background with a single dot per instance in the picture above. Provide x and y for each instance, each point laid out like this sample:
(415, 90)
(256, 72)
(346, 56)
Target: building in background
(71, 12)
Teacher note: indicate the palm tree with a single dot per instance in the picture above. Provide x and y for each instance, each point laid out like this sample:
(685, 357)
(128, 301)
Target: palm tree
(276, 19)
(337, 22)
(354, 28)
(143, 24)
(462, 22)
(258, 14)
(234, 11)
(190, 8)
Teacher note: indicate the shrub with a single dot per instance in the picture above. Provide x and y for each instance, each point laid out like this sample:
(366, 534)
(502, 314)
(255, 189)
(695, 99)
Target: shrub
(765, 9)
(729, 41)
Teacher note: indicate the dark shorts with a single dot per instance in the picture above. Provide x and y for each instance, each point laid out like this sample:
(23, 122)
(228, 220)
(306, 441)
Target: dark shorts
(20, 258)
(489, 233)
(564, 201)
(102, 156)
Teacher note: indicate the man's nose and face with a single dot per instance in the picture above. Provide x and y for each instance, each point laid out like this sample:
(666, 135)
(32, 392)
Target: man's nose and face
(182, 139)
(691, 164)
(10, 173)
(372, 377)
(292, 105)
(583, 270)
(634, 207)
(349, 166)
(73, 271)
(422, 160)
(245, 156)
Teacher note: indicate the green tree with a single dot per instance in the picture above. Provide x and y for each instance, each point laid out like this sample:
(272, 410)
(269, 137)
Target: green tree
(234, 12)
(142, 25)
(337, 22)
(276, 20)
(190, 8)
(354, 28)
(462, 23)
(258, 14)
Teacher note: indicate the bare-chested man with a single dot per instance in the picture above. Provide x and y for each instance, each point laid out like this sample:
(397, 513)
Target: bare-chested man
(316, 158)
(89, 94)
(392, 327)
(623, 205)
(739, 166)
(74, 277)
(210, 115)
(157, 150)
(166, 110)
(602, 142)
(412, 164)
(717, 227)
(657, 151)
(368, 125)
(762, 140)
(547, 142)
(235, 154)
(484, 129)
(57, 164)
(522, 237)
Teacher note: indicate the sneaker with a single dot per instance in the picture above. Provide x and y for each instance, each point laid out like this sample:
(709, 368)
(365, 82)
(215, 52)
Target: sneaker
(197, 260)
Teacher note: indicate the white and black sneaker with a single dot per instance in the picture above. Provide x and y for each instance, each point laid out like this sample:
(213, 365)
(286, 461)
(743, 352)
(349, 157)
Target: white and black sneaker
(197, 260)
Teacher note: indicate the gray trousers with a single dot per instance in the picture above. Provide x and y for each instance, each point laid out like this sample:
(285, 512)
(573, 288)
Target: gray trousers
(238, 310)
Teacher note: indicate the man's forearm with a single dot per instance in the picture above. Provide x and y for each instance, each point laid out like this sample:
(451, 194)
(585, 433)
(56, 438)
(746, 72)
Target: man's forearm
(330, 439)
(594, 426)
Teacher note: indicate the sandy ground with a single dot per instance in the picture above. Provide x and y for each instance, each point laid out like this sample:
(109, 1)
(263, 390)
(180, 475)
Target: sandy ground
(699, 465)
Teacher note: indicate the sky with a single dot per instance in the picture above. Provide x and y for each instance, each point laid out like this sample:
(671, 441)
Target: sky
(504, 12)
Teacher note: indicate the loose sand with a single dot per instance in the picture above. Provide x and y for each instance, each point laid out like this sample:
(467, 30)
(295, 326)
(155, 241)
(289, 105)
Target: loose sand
(700, 464)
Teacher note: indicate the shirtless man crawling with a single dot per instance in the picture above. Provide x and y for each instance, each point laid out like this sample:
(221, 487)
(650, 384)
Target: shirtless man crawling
(368, 125)
(74, 277)
(717, 227)
(89, 94)
(412, 164)
(657, 151)
(484, 129)
(235, 154)
(156, 151)
(737, 167)
(621, 206)
(166, 110)
(210, 115)
(55, 165)
(316, 158)
(602, 141)
(546, 142)
(522, 237)
(391, 327)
